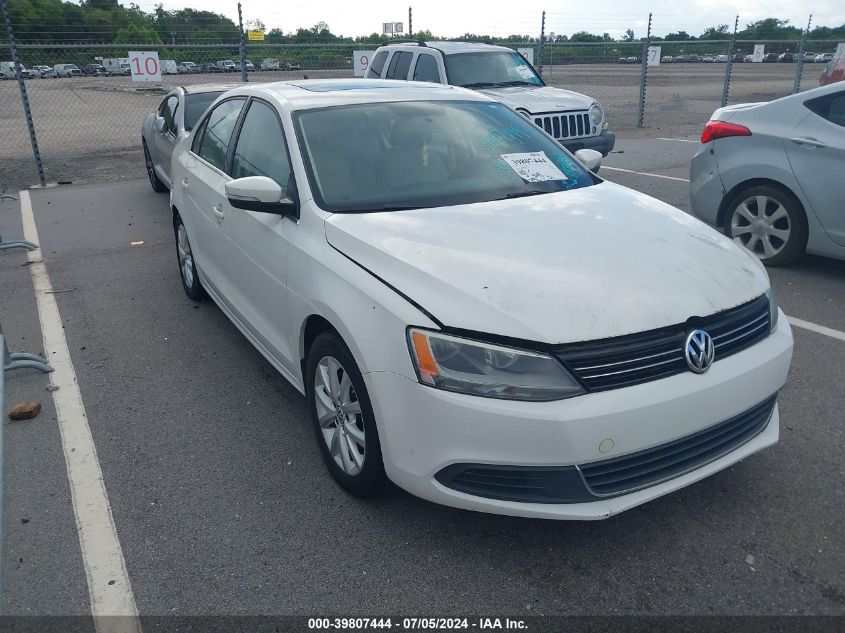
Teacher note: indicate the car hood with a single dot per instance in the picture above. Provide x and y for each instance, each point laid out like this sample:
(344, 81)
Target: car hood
(538, 100)
(571, 266)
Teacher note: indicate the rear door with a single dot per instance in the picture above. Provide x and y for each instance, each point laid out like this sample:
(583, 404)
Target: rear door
(816, 151)
(261, 241)
(203, 184)
(399, 65)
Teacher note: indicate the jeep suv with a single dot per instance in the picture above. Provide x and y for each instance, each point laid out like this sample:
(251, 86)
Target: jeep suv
(574, 120)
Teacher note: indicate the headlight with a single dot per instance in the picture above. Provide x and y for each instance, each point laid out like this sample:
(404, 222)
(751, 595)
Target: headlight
(596, 114)
(773, 310)
(483, 369)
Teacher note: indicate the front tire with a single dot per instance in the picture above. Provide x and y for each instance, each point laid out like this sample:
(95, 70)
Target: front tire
(187, 265)
(769, 222)
(343, 417)
(155, 182)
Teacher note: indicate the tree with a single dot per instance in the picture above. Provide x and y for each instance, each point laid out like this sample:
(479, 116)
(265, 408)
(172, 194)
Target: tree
(629, 36)
(716, 33)
(134, 34)
(680, 36)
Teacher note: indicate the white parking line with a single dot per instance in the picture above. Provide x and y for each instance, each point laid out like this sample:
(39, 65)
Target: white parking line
(643, 173)
(818, 329)
(680, 140)
(109, 589)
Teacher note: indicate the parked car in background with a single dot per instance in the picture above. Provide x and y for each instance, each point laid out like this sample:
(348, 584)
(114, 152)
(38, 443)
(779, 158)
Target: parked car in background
(94, 70)
(809, 58)
(749, 58)
(834, 72)
(117, 66)
(174, 118)
(787, 58)
(291, 66)
(42, 71)
(708, 59)
(823, 58)
(738, 58)
(250, 67)
(168, 67)
(770, 175)
(693, 59)
(667, 59)
(269, 63)
(227, 66)
(722, 59)
(187, 68)
(576, 121)
(443, 306)
(211, 67)
(7, 69)
(770, 58)
(67, 70)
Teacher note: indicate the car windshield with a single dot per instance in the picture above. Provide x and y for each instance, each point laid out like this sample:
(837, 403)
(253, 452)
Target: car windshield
(490, 70)
(196, 104)
(407, 155)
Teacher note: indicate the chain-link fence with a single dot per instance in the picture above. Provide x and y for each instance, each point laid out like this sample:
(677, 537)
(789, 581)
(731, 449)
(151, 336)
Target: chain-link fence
(86, 122)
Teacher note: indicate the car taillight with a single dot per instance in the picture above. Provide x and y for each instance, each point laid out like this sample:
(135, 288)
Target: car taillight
(722, 129)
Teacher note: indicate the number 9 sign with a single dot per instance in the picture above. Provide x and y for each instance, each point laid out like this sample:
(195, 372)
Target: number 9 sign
(145, 66)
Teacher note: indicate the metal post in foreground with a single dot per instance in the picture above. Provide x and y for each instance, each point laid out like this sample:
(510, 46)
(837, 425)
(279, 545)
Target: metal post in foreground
(242, 47)
(13, 49)
(410, 24)
(542, 46)
(729, 65)
(644, 74)
(799, 67)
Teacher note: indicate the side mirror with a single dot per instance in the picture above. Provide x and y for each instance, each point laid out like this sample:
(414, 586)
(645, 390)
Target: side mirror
(590, 158)
(159, 123)
(261, 194)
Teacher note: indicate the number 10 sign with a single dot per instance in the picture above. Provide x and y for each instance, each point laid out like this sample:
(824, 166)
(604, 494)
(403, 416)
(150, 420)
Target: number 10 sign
(145, 66)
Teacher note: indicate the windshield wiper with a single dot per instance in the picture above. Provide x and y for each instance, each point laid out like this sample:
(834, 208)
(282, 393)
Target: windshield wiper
(522, 194)
(387, 207)
(480, 84)
(516, 82)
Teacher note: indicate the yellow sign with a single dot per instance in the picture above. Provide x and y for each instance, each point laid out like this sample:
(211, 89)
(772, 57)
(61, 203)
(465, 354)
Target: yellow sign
(255, 36)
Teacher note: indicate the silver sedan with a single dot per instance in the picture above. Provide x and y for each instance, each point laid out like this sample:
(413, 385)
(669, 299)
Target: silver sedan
(770, 175)
(175, 116)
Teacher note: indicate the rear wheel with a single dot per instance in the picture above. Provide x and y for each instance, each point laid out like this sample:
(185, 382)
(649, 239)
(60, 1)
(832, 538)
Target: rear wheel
(343, 416)
(155, 182)
(769, 222)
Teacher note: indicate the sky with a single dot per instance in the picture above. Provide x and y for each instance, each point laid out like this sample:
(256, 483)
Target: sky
(505, 17)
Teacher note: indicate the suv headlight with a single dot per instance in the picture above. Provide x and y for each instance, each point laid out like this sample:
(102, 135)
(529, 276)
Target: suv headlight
(596, 114)
(483, 369)
(773, 310)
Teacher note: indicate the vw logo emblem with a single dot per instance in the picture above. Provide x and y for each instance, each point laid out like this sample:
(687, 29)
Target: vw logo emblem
(699, 351)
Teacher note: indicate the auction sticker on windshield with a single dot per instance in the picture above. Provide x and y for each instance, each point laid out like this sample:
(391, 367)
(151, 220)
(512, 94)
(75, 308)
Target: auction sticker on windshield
(533, 166)
(525, 71)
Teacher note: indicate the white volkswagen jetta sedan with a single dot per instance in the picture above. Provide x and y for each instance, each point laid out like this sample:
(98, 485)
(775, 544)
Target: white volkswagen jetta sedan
(468, 309)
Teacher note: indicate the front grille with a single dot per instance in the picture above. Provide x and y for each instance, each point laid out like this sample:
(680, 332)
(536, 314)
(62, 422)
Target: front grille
(649, 467)
(637, 358)
(565, 125)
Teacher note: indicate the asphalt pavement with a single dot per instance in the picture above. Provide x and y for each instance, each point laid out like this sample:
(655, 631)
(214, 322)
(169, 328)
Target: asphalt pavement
(222, 505)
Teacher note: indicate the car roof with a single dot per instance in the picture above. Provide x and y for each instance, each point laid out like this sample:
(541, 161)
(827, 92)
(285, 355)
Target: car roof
(449, 48)
(200, 88)
(318, 93)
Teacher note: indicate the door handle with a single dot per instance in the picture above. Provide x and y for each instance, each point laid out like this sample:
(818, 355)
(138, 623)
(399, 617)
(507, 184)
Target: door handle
(802, 140)
(218, 214)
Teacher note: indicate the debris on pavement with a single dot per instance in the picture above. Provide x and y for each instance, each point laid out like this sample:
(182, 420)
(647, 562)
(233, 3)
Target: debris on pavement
(24, 411)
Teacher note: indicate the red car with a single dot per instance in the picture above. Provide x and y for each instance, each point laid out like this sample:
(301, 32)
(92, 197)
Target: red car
(833, 72)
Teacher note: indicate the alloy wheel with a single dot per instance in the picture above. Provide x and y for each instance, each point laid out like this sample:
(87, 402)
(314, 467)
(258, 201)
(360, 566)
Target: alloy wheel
(186, 258)
(762, 225)
(339, 415)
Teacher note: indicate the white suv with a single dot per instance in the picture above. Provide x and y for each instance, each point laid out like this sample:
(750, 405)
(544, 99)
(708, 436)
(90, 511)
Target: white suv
(576, 121)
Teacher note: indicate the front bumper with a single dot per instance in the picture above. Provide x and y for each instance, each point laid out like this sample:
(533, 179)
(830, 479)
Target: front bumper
(423, 430)
(603, 143)
(706, 187)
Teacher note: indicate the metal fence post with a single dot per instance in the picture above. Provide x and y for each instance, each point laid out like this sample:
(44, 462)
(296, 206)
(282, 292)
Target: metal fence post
(644, 74)
(242, 47)
(410, 22)
(542, 46)
(13, 49)
(799, 67)
(729, 66)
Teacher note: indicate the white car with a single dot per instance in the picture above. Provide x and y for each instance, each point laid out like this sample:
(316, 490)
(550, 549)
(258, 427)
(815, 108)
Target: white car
(468, 310)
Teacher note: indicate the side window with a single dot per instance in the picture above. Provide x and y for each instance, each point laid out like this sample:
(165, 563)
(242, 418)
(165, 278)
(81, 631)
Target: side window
(836, 110)
(377, 64)
(195, 144)
(400, 64)
(218, 131)
(426, 69)
(261, 148)
(168, 112)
